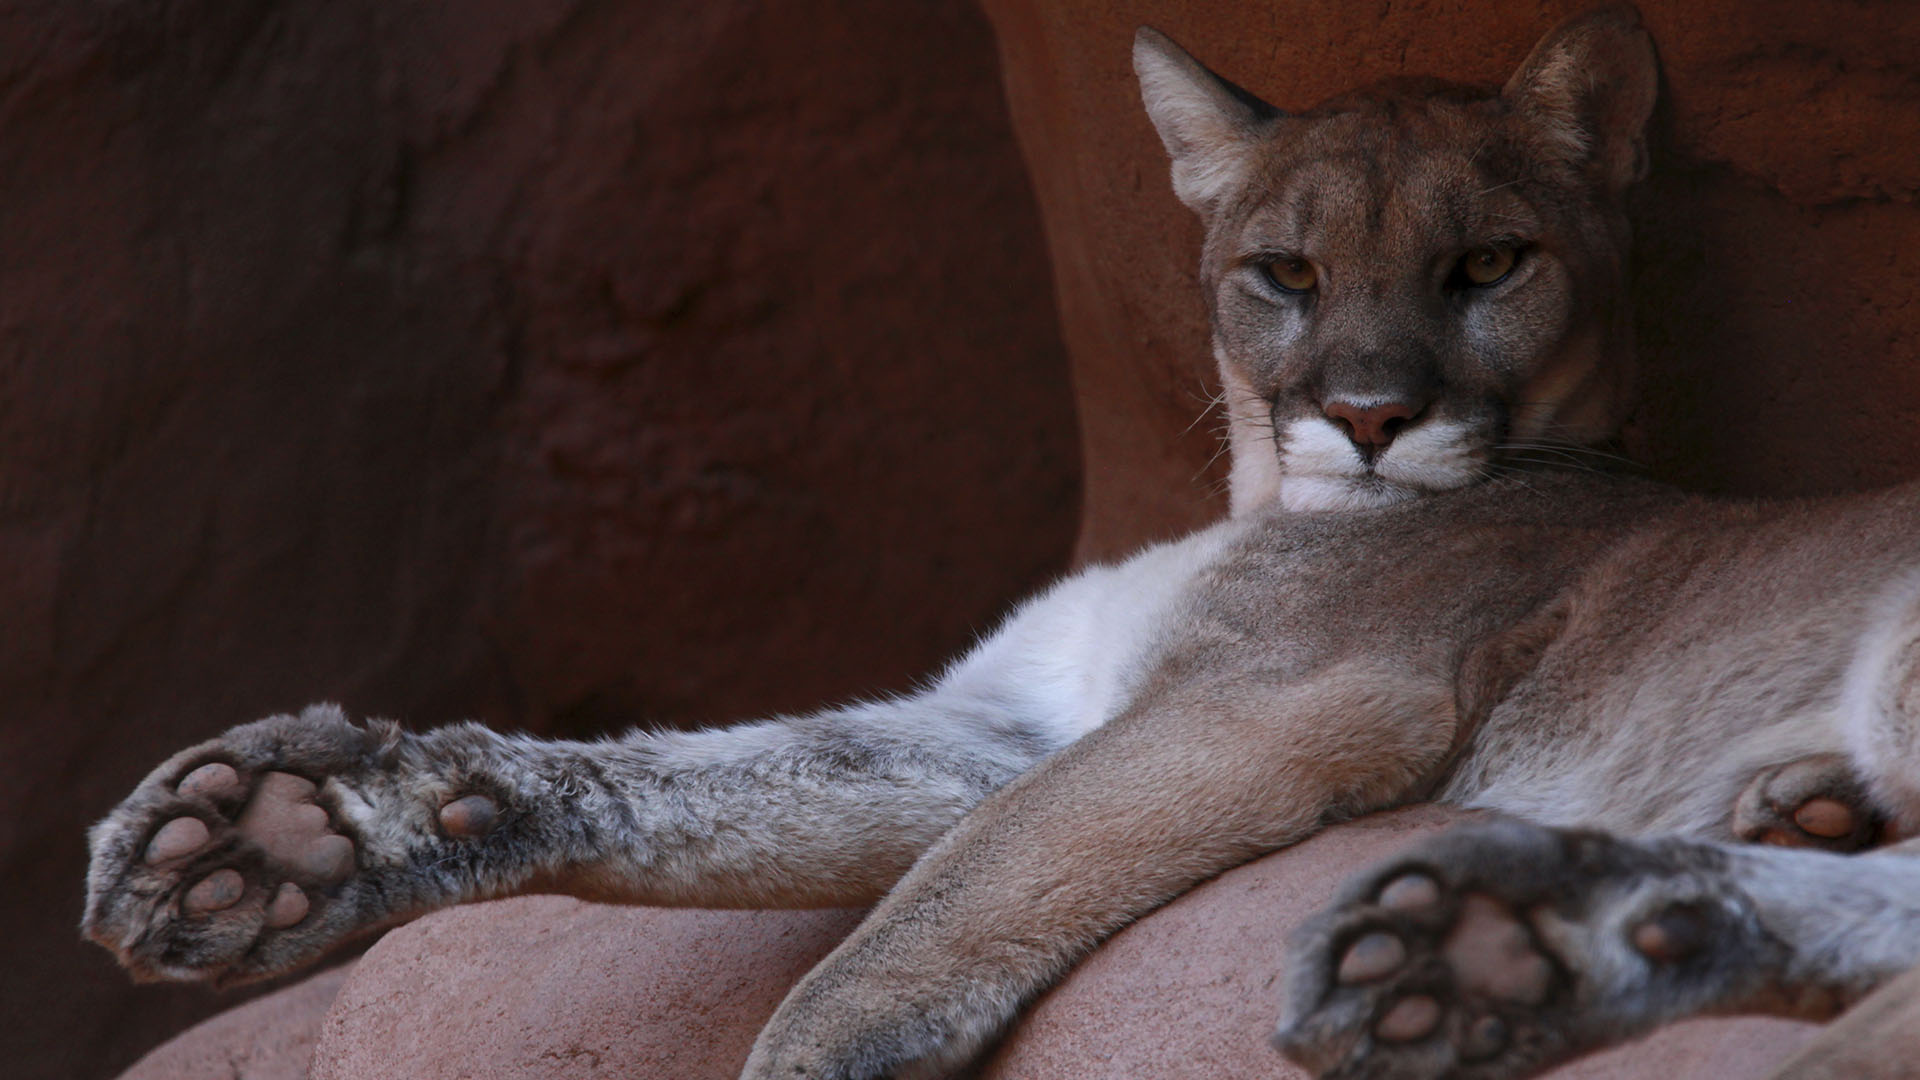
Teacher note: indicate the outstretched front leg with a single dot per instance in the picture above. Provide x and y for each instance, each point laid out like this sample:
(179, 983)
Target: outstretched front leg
(254, 853)
(1498, 951)
(1193, 780)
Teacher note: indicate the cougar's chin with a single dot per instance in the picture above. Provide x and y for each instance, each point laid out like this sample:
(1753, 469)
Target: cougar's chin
(1322, 470)
(1308, 493)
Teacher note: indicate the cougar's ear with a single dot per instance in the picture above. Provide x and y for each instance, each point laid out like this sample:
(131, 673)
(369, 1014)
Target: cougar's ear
(1207, 124)
(1587, 90)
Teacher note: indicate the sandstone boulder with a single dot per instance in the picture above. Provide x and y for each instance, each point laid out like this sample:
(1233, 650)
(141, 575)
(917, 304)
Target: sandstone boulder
(269, 1038)
(545, 988)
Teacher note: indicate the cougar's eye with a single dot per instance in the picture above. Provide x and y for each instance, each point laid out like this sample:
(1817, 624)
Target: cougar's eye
(1485, 266)
(1293, 275)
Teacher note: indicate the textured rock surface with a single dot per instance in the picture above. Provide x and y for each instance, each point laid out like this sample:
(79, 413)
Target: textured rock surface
(270, 1038)
(544, 987)
(551, 987)
(558, 363)
(1777, 290)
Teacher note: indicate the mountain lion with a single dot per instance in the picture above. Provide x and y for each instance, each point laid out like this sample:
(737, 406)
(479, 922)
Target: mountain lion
(1417, 299)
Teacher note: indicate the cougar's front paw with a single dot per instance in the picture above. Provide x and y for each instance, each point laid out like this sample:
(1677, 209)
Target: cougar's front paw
(1499, 951)
(879, 1011)
(1815, 802)
(885, 1041)
(249, 855)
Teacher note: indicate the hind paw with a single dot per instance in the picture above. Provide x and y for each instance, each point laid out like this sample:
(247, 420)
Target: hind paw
(1815, 802)
(1496, 952)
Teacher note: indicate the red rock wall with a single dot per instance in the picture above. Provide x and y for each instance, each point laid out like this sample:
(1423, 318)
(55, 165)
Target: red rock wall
(559, 363)
(1779, 285)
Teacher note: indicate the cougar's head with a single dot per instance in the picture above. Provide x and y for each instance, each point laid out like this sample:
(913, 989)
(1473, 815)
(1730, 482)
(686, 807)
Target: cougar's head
(1410, 284)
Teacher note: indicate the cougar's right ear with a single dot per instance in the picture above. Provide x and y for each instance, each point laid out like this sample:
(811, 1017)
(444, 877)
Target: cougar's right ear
(1207, 124)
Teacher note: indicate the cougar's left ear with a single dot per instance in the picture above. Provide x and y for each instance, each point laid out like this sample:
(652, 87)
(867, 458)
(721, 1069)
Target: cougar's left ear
(1207, 124)
(1587, 90)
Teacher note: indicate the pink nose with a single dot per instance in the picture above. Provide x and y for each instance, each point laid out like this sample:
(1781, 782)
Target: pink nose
(1373, 427)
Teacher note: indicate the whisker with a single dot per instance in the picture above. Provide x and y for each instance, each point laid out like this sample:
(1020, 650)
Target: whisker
(1206, 410)
(1583, 453)
(1475, 156)
(1559, 464)
(1221, 449)
(1205, 396)
(1509, 475)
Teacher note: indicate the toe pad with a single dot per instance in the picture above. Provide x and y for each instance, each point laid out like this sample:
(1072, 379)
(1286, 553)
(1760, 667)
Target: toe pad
(216, 892)
(472, 815)
(178, 838)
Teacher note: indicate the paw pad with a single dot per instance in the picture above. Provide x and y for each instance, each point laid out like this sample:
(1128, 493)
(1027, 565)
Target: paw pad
(215, 780)
(1815, 801)
(177, 839)
(1674, 934)
(216, 892)
(1425, 973)
(1829, 818)
(1410, 1019)
(470, 816)
(242, 857)
(1410, 892)
(1493, 954)
(288, 906)
(1500, 950)
(295, 832)
(279, 845)
(1374, 956)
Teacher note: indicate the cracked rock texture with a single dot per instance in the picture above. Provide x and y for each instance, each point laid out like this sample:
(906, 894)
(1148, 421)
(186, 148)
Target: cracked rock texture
(564, 364)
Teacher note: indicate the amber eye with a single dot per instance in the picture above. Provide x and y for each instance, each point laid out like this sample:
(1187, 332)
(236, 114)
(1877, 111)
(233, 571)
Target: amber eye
(1487, 265)
(1293, 275)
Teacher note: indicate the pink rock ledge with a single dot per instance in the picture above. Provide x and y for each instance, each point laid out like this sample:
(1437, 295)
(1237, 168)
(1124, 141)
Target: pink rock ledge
(549, 987)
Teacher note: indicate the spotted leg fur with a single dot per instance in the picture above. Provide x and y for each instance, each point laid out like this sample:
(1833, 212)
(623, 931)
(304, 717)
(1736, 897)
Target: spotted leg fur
(1499, 951)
